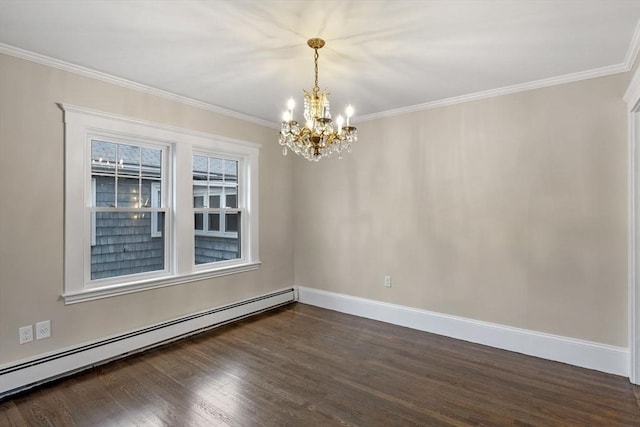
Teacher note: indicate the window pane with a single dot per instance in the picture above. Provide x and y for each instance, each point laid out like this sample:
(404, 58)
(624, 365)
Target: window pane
(232, 200)
(200, 167)
(156, 201)
(214, 222)
(231, 171)
(214, 201)
(124, 244)
(128, 192)
(216, 169)
(103, 161)
(156, 194)
(145, 196)
(158, 223)
(212, 248)
(103, 157)
(199, 224)
(128, 160)
(231, 221)
(105, 191)
(198, 201)
(151, 161)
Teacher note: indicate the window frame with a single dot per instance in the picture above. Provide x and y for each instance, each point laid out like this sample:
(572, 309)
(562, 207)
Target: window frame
(81, 126)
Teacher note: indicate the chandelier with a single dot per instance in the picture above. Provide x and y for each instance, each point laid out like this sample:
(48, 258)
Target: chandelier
(317, 138)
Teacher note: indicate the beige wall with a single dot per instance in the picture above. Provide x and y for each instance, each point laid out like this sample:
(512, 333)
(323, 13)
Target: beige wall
(31, 211)
(509, 210)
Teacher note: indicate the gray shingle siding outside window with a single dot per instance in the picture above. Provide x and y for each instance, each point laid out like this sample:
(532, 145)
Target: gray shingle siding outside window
(123, 239)
(213, 249)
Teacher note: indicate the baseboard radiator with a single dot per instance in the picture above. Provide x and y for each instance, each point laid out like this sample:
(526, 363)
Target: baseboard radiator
(20, 376)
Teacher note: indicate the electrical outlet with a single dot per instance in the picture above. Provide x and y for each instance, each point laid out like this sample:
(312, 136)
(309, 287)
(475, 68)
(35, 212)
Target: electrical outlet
(25, 334)
(387, 281)
(43, 329)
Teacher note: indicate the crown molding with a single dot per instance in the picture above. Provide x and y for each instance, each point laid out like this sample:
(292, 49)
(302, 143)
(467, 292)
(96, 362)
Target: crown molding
(634, 47)
(630, 58)
(87, 72)
(631, 55)
(632, 94)
(537, 84)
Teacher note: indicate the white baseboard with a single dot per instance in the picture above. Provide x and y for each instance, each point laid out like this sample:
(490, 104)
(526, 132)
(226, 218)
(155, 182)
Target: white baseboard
(19, 376)
(586, 354)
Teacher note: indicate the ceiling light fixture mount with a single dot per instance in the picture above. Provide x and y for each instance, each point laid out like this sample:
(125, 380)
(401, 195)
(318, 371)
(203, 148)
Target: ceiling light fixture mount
(317, 138)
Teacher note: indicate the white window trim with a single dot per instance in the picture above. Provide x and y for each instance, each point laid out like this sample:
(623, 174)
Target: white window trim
(80, 125)
(93, 214)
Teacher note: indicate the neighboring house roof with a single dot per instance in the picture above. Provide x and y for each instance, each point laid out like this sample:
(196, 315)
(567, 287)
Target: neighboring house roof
(135, 160)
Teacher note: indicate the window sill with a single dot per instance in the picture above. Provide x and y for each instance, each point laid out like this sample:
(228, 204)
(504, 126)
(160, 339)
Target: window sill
(114, 290)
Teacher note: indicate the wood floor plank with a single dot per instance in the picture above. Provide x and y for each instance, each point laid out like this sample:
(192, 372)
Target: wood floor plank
(305, 366)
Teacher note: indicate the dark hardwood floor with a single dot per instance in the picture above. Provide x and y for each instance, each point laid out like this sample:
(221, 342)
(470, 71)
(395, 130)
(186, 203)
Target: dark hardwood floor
(305, 366)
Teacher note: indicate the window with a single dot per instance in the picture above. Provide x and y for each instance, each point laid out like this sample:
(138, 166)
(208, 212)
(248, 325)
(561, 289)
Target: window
(133, 190)
(216, 210)
(125, 176)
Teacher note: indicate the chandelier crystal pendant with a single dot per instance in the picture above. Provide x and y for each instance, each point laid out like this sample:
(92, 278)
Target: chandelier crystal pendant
(317, 138)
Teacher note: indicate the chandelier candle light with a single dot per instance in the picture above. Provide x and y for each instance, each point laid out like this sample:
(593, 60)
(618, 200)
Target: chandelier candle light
(317, 138)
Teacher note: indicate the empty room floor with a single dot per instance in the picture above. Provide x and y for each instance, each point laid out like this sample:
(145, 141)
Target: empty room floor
(301, 365)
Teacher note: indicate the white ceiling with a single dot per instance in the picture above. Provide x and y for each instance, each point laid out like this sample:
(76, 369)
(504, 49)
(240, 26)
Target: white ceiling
(250, 56)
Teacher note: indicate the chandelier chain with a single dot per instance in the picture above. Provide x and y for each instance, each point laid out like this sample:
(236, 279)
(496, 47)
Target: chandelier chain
(315, 60)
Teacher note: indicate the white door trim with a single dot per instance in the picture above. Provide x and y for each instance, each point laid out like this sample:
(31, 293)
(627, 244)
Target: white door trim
(632, 98)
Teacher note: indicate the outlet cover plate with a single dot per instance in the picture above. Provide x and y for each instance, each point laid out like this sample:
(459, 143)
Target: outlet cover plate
(387, 281)
(43, 329)
(25, 334)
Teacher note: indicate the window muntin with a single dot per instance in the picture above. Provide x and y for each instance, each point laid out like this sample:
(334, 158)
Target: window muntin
(216, 210)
